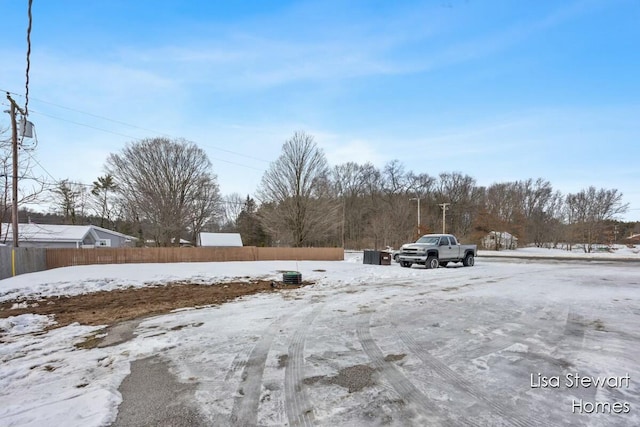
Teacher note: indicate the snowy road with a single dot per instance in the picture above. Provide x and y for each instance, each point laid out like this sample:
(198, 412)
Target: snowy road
(369, 345)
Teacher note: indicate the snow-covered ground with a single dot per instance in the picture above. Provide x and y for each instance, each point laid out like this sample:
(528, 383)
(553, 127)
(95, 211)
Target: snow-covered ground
(601, 252)
(451, 346)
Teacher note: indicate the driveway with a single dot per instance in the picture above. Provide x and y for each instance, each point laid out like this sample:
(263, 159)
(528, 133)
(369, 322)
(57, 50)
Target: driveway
(452, 346)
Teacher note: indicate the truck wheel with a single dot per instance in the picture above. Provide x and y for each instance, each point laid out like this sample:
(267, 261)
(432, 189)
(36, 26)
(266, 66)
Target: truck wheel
(432, 262)
(468, 260)
(444, 263)
(395, 257)
(405, 264)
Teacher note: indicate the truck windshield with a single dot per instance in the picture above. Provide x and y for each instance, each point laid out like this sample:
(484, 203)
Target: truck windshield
(429, 240)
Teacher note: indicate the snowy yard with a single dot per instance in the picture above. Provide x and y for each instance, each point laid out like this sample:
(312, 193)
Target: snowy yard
(501, 343)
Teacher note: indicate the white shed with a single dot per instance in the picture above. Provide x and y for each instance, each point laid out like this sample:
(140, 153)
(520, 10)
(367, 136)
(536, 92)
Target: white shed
(220, 239)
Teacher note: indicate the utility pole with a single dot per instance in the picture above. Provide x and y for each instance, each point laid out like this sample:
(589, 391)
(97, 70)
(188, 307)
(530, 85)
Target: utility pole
(444, 207)
(14, 145)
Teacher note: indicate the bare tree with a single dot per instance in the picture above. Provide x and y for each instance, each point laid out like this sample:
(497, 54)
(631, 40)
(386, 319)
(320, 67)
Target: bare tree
(349, 187)
(588, 212)
(295, 194)
(70, 199)
(167, 184)
(539, 202)
(232, 205)
(206, 207)
(496, 213)
(30, 189)
(461, 192)
(394, 178)
(5, 184)
(103, 191)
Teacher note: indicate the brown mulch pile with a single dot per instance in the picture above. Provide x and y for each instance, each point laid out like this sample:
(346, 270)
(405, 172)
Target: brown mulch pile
(110, 307)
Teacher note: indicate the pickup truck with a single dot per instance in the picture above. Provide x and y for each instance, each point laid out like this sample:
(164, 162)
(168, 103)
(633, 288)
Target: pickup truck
(435, 250)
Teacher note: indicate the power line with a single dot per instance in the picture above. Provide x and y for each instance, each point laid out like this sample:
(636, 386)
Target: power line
(97, 116)
(129, 125)
(138, 139)
(41, 167)
(26, 85)
(86, 125)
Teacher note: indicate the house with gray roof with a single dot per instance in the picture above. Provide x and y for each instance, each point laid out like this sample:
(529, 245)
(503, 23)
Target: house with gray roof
(64, 236)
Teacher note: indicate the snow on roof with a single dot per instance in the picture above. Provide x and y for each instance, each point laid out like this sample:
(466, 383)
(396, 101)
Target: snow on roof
(55, 233)
(220, 239)
(48, 232)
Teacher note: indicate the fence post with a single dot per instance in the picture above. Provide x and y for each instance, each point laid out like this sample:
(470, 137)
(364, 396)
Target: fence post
(13, 261)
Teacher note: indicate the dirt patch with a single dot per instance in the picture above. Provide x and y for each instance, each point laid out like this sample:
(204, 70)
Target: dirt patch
(92, 341)
(598, 325)
(353, 378)
(111, 307)
(394, 357)
(282, 360)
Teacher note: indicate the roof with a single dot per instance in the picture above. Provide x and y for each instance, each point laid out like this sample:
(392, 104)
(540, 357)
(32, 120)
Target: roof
(220, 239)
(56, 233)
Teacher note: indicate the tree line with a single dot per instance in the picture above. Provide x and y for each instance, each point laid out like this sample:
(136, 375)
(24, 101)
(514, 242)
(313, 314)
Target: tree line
(303, 202)
(163, 190)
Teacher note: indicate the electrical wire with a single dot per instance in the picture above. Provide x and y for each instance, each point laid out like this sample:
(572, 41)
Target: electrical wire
(131, 126)
(134, 138)
(85, 125)
(26, 85)
(41, 167)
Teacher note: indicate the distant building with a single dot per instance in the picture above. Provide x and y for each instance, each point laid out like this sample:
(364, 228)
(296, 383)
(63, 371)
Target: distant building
(497, 240)
(220, 239)
(150, 243)
(64, 236)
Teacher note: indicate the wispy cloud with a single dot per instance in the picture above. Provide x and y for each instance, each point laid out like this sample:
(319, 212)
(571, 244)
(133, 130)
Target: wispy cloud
(237, 60)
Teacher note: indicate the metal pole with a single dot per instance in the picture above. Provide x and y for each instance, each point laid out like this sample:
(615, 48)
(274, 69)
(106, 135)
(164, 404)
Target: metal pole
(14, 195)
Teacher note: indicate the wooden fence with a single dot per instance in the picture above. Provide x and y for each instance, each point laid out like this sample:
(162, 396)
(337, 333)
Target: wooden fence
(68, 257)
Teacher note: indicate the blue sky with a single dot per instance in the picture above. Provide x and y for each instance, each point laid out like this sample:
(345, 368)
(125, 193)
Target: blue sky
(499, 90)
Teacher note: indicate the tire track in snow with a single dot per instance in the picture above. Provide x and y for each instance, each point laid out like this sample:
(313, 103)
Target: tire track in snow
(459, 382)
(247, 400)
(239, 361)
(298, 407)
(407, 391)
(574, 328)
